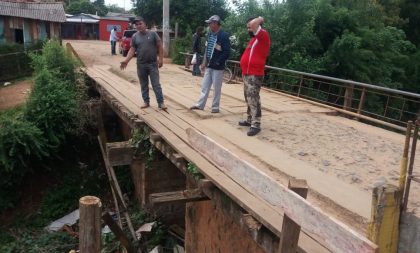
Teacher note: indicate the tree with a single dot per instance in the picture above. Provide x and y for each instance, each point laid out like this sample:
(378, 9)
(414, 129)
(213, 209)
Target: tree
(85, 6)
(410, 10)
(188, 13)
(81, 6)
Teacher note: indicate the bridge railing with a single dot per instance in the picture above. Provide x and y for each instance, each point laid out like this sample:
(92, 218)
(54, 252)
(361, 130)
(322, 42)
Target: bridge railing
(361, 100)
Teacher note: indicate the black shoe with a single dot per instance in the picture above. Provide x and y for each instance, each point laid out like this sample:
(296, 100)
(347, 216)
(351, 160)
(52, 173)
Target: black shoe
(253, 131)
(215, 111)
(194, 107)
(244, 123)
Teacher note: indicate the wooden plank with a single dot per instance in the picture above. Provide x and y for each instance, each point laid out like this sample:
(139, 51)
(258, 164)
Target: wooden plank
(119, 153)
(119, 234)
(259, 209)
(184, 196)
(116, 189)
(336, 235)
(290, 230)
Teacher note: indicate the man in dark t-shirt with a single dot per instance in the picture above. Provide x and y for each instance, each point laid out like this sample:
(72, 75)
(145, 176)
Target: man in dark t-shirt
(148, 46)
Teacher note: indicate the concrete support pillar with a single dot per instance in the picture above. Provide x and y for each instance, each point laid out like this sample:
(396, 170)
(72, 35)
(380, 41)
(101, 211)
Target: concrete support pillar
(166, 28)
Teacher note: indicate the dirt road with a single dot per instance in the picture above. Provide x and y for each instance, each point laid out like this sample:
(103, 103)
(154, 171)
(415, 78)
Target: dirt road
(342, 159)
(14, 94)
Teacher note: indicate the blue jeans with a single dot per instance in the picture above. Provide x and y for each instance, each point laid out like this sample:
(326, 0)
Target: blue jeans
(113, 43)
(144, 71)
(211, 77)
(196, 67)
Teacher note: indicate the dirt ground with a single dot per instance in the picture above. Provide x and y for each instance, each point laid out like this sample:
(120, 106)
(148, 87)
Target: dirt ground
(14, 94)
(353, 155)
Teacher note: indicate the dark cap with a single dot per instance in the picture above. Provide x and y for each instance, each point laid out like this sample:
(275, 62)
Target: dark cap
(137, 19)
(213, 18)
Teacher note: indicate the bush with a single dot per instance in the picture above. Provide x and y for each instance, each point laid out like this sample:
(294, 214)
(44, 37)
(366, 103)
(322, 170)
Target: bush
(52, 113)
(19, 139)
(14, 60)
(52, 107)
(181, 45)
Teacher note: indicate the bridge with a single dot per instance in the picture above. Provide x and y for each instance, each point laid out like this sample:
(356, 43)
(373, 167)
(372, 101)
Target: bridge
(297, 141)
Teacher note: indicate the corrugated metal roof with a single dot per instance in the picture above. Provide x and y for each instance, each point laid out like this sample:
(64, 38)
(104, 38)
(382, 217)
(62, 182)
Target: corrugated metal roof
(116, 18)
(53, 12)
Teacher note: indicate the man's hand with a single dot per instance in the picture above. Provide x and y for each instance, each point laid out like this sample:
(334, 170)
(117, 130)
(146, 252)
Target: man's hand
(202, 67)
(160, 62)
(123, 65)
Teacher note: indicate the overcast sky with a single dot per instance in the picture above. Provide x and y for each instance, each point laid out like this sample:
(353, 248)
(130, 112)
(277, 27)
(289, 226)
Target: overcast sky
(120, 3)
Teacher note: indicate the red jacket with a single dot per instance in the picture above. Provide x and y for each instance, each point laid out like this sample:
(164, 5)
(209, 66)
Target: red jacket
(256, 53)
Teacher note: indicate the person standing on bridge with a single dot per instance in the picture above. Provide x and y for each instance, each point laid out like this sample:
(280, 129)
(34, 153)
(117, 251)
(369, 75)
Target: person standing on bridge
(148, 46)
(252, 65)
(215, 56)
(196, 48)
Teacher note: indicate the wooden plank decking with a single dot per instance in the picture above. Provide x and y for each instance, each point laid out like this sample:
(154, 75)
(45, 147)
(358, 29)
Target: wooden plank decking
(172, 124)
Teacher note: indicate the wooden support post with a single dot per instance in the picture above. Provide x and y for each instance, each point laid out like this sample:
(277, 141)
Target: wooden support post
(290, 230)
(348, 98)
(90, 224)
(384, 227)
(404, 159)
(119, 234)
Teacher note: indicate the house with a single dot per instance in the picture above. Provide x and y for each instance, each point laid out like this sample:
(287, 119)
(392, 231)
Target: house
(111, 20)
(27, 22)
(81, 26)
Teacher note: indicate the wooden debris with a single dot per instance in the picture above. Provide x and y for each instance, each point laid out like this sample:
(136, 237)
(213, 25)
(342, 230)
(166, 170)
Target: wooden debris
(119, 234)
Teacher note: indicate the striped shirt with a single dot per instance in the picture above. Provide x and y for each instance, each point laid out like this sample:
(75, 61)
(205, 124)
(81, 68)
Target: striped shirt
(211, 42)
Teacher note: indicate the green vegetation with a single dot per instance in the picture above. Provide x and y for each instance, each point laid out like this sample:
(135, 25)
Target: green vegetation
(37, 130)
(359, 40)
(140, 141)
(15, 60)
(193, 170)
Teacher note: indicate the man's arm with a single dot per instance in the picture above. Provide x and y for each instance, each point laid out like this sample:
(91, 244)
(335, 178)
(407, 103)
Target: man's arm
(225, 43)
(130, 55)
(255, 24)
(160, 53)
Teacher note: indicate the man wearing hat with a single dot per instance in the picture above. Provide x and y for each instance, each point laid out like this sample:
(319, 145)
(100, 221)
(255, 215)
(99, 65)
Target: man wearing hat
(215, 56)
(148, 46)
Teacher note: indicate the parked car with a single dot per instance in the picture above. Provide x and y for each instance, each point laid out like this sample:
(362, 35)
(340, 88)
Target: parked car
(125, 41)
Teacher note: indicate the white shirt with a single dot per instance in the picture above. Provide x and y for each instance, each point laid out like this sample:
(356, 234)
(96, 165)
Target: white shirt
(113, 35)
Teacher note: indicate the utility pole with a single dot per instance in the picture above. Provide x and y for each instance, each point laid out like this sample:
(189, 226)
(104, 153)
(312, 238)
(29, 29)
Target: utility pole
(165, 28)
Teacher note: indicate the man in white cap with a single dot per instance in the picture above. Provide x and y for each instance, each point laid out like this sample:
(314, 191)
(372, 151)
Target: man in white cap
(215, 56)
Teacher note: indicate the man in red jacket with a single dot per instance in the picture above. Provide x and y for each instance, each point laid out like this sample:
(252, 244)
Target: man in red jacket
(252, 65)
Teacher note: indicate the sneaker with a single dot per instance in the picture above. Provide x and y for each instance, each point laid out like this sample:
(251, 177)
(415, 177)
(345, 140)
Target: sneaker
(194, 107)
(244, 123)
(215, 111)
(162, 106)
(145, 105)
(253, 131)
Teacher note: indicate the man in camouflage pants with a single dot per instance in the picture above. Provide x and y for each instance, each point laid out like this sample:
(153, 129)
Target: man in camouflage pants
(252, 65)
